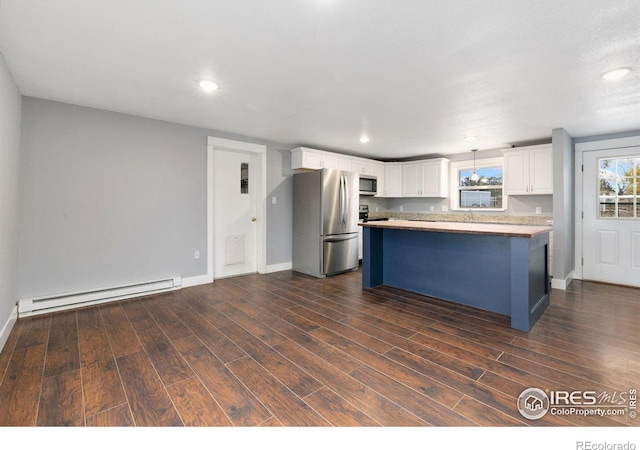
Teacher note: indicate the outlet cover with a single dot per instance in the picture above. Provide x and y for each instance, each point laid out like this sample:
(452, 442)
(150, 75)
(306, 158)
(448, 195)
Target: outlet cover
(431, 208)
(401, 208)
(538, 210)
(196, 255)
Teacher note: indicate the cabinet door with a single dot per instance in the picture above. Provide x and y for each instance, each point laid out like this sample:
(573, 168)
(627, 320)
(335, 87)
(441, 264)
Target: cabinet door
(367, 168)
(393, 180)
(330, 161)
(540, 171)
(378, 171)
(311, 160)
(529, 172)
(431, 180)
(412, 180)
(345, 164)
(516, 173)
(362, 166)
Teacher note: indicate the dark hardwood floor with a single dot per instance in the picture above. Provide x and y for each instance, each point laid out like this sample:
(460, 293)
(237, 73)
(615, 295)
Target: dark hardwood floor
(286, 349)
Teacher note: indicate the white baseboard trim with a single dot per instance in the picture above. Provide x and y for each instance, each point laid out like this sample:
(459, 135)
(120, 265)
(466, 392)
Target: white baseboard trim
(8, 326)
(562, 284)
(197, 280)
(279, 267)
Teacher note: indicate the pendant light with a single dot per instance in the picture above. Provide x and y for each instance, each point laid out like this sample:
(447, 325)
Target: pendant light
(474, 176)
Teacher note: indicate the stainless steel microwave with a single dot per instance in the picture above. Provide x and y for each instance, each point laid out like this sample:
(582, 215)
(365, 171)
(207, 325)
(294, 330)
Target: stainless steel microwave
(368, 185)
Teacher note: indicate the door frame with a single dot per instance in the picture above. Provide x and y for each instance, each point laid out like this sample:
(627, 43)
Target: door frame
(580, 148)
(213, 144)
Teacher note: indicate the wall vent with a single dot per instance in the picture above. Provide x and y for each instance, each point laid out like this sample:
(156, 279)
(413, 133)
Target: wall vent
(52, 303)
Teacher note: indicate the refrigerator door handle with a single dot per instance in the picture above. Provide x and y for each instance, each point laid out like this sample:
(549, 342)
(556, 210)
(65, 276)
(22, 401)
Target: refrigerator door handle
(342, 237)
(342, 201)
(346, 202)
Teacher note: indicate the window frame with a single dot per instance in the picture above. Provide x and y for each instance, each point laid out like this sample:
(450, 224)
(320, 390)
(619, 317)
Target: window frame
(457, 166)
(614, 178)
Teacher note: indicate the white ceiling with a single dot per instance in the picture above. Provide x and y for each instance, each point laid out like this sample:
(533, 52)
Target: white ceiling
(415, 75)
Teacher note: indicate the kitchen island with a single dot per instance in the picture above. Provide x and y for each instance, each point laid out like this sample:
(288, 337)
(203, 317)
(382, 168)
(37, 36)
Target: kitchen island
(496, 267)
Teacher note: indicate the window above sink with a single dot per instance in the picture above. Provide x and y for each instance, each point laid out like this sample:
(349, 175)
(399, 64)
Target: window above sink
(484, 193)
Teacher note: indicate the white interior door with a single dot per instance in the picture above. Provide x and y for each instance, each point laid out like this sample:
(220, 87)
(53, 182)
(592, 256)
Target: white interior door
(611, 223)
(235, 190)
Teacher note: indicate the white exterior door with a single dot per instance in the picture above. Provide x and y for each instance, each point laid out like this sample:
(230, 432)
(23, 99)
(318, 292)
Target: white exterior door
(235, 187)
(611, 223)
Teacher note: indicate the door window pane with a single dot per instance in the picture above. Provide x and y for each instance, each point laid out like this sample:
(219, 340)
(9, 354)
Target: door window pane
(618, 182)
(244, 178)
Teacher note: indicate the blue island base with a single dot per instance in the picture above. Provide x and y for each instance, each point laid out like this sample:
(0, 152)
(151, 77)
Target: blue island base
(503, 274)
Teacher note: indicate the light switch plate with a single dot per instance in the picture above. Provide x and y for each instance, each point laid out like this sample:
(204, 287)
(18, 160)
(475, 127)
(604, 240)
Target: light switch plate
(538, 210)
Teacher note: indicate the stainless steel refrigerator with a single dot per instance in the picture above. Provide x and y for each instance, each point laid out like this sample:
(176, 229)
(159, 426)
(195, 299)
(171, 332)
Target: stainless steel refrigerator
(325, 222)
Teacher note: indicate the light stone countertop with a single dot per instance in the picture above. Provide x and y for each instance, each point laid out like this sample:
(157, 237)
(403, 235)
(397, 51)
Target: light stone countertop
(536, 220)
(492, 229)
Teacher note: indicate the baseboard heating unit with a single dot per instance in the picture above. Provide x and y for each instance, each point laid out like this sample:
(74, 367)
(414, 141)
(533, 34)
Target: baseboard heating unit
(52, 303)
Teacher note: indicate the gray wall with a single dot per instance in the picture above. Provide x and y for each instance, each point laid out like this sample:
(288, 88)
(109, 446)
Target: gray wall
(10, 116)
(604, 137)
(110, 198)
(280, 215)
(563, 204)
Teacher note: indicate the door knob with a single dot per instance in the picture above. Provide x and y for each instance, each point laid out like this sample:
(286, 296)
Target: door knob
(253, 219)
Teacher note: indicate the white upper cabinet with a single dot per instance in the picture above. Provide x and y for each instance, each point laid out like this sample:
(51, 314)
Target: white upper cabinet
(329, 161)
(302, 159)
(427, 178)
(378, 171)
(392, 180)
(435, 178)
(412, 179)
(363, 166)
(529, 171)
(308, 158)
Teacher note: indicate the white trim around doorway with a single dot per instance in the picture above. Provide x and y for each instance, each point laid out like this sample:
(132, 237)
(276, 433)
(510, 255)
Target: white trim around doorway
(214, 143)
(580, 148)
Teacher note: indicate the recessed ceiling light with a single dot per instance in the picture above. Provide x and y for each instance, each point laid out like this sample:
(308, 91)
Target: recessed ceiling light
(470, 138)
(364, 139)
(208, 85)
(616, 74)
